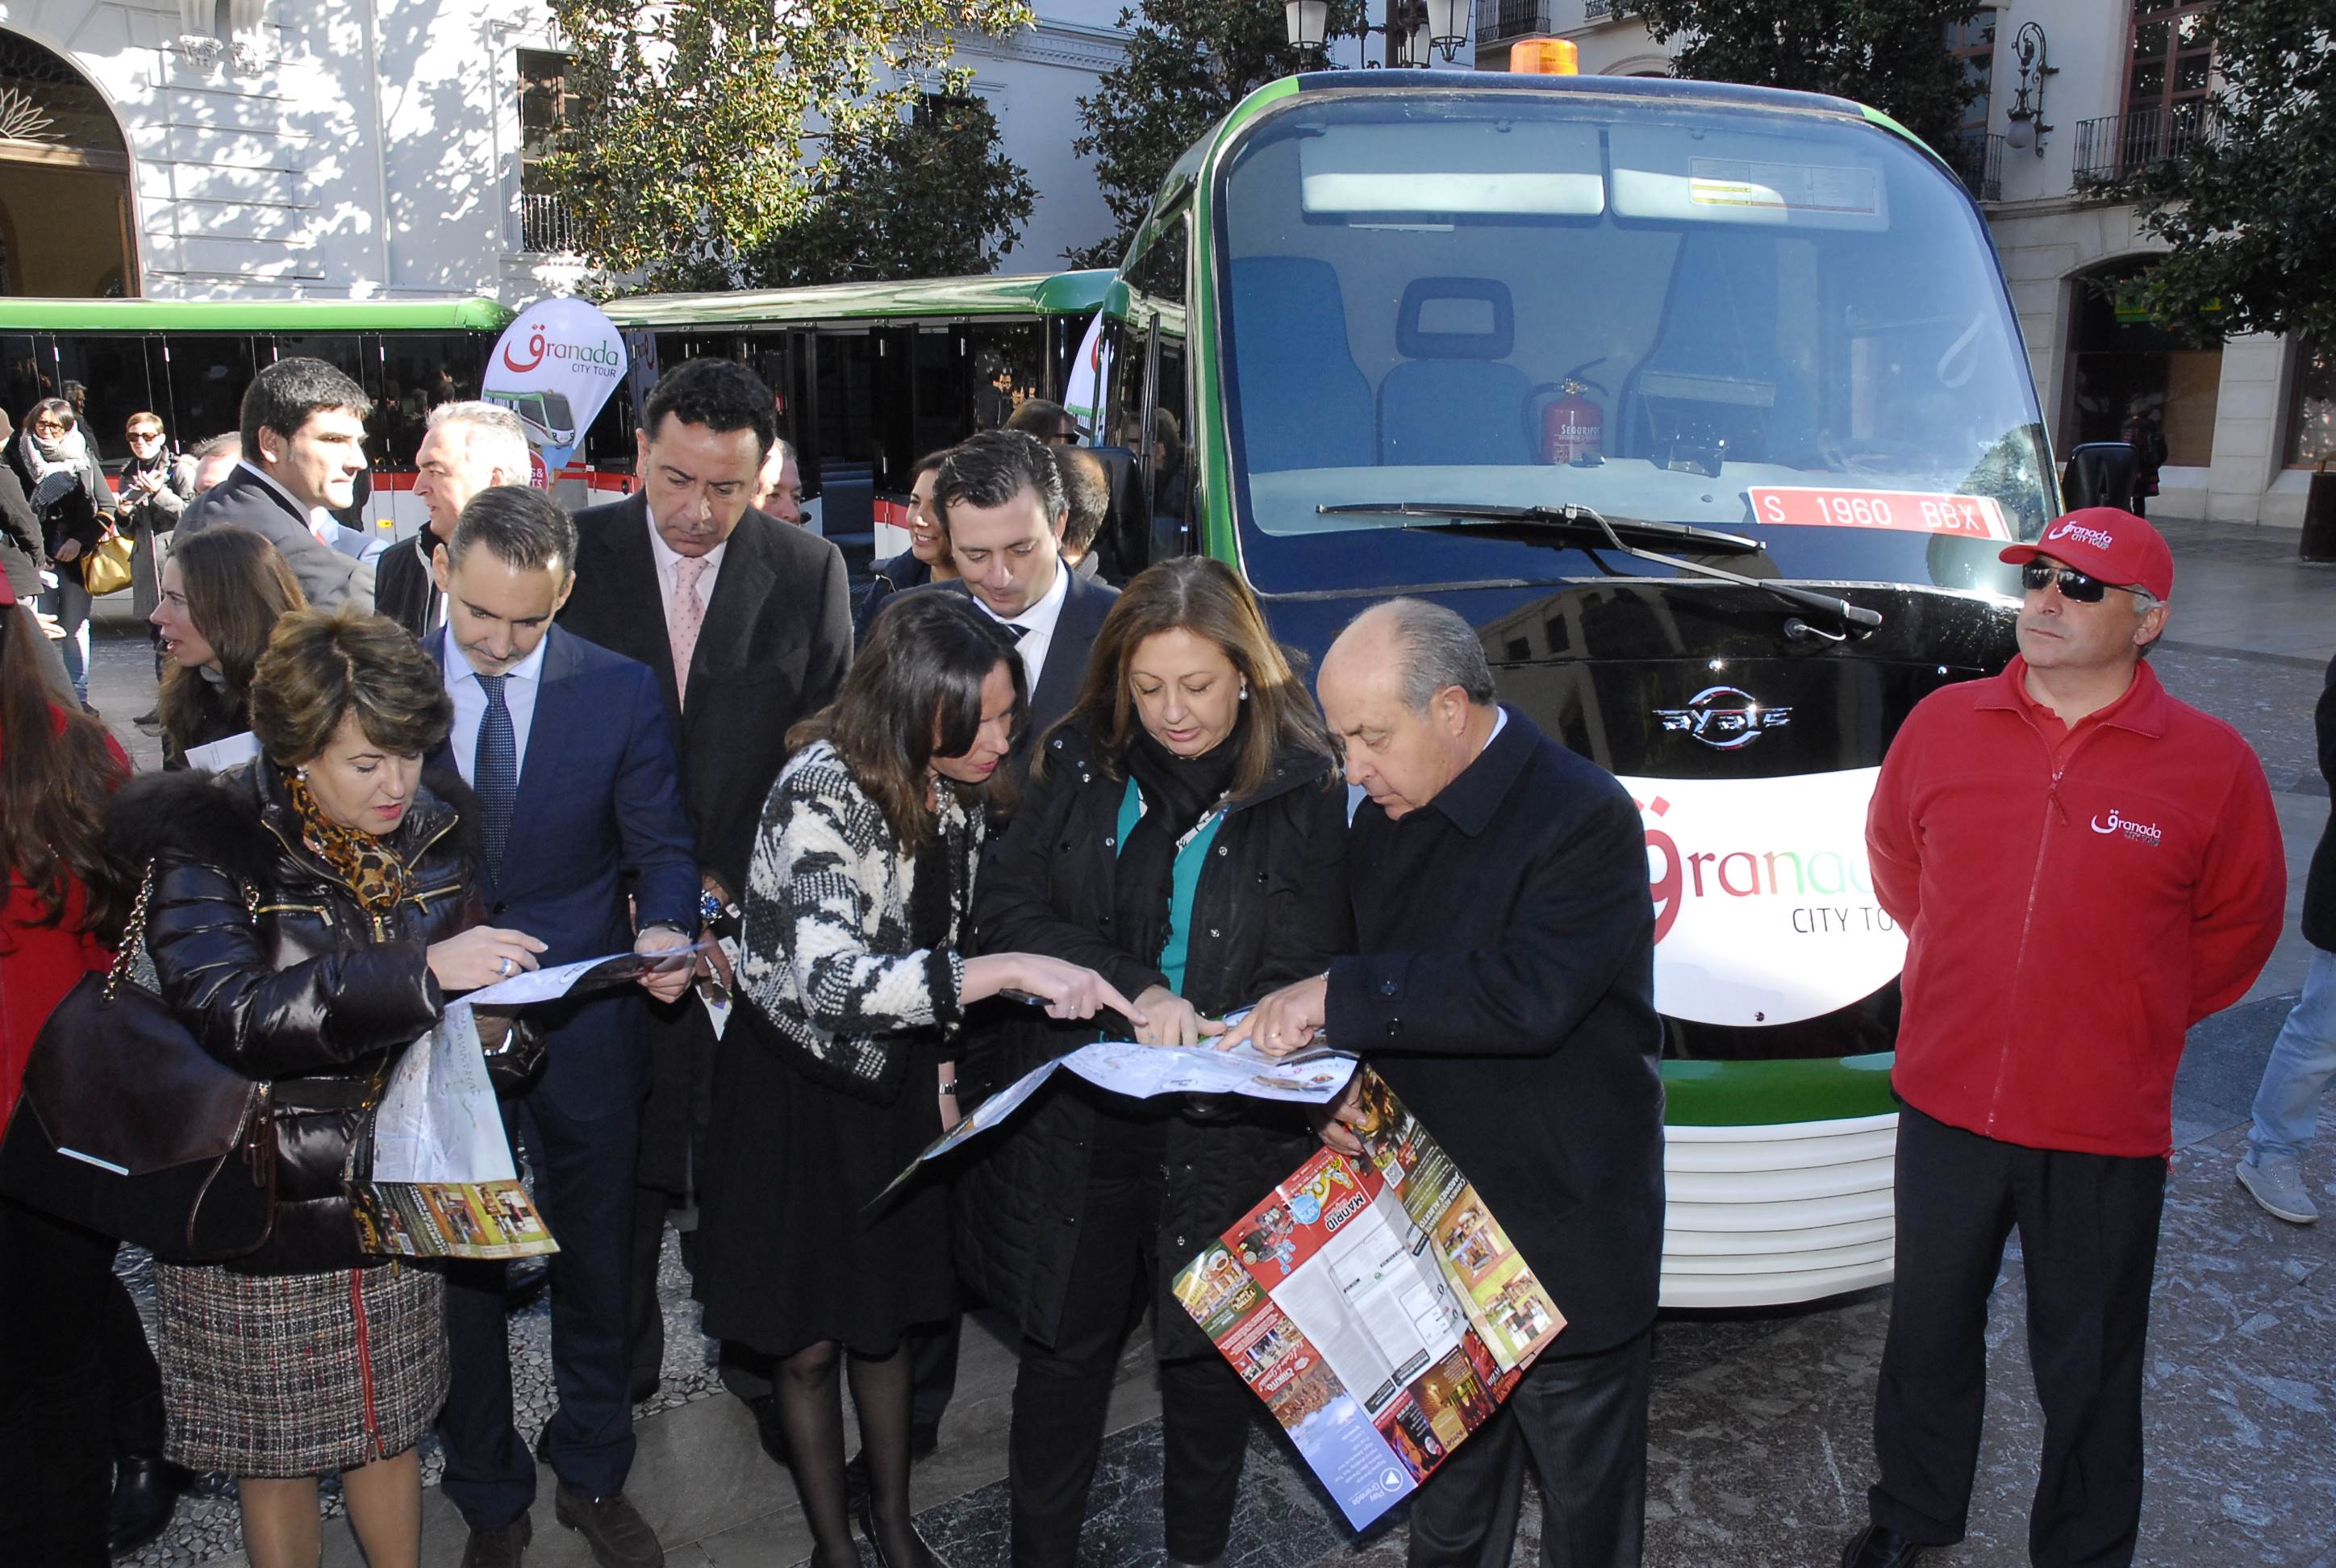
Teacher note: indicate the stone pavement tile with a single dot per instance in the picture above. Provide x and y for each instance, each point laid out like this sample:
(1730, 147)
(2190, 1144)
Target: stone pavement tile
(2222, 1067)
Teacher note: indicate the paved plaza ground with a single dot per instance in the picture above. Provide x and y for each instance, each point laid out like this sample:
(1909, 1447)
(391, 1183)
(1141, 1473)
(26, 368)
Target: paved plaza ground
(1759, 1453)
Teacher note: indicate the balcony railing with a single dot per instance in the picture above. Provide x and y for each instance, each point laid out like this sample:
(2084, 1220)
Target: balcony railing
(1979, 159)
(544, 225)
(2117, 145)
(1597, 10)
(1503, 21)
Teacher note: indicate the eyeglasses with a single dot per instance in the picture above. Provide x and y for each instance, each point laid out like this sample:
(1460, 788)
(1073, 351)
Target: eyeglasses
(50, 427)
(2074, 585)
(145, 435)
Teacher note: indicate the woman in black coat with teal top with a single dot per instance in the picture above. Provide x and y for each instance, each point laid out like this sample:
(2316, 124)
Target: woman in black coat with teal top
(1185, 835)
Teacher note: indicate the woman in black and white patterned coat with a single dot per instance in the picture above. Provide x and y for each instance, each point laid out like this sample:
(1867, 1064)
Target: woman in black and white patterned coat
(851, 989)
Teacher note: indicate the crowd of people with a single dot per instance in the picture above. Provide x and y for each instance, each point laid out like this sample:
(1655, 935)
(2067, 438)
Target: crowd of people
(897, 854)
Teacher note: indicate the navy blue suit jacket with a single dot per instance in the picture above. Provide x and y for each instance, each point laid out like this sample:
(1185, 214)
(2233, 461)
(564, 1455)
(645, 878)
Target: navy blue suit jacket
(599, 816)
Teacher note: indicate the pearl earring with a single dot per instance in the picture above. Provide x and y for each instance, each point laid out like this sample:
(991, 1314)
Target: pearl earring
(1244, 693)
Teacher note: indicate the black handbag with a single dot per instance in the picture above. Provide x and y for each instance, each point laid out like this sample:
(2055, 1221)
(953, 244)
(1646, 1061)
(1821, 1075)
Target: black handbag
(128, 1126)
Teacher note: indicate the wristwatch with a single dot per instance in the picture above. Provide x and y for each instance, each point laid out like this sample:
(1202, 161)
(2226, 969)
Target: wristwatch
(719, 917)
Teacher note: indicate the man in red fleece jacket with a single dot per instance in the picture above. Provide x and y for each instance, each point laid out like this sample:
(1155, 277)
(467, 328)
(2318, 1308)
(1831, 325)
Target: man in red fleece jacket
(2084, 868)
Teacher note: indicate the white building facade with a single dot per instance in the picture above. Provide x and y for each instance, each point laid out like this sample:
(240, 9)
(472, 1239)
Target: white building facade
(371, 149)
(2245, 423)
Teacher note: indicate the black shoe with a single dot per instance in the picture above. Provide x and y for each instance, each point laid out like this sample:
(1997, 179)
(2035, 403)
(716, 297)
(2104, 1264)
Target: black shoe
(769, 1432)
(149, 720)
(145, 1491)
(932, 1559)
(619, 1537)
(523, 1282)
(503, 1548)
(645, 1383)
(1878, 1547)
(923, 1440)
(543, 1447)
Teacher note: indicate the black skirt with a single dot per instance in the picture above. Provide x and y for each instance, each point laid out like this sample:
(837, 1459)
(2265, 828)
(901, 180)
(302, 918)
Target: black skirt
(787, 1256)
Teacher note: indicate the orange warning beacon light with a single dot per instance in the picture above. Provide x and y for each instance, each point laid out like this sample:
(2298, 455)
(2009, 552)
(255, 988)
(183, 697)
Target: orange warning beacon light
(1545, 57)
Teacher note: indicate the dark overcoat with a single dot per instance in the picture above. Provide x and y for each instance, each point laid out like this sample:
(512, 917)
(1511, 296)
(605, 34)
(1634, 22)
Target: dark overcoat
(772, 650)
(1270, 907)
(1505, 992)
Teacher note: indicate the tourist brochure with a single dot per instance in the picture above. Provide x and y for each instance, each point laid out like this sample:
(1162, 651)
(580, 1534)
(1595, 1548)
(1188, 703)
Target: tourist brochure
(1375, 1305)
(1311, 1077)
(436, 1180)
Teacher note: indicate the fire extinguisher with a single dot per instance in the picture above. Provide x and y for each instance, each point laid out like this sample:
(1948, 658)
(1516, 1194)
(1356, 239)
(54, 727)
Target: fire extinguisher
(1574, 426)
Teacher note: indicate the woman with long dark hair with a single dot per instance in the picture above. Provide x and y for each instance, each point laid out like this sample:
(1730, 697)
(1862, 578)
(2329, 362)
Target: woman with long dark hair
(1185, 834)
(223, 591)
(926, 558)
(853, 978)
(57, 769)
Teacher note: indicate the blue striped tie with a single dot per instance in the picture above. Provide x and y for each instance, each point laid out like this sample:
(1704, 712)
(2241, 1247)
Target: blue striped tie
(496, 771)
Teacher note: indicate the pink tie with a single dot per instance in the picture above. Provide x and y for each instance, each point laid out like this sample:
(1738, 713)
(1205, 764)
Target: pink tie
(688, 616)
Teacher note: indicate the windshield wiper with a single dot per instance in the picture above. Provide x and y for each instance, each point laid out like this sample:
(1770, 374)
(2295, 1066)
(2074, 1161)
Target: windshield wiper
(1587, 529)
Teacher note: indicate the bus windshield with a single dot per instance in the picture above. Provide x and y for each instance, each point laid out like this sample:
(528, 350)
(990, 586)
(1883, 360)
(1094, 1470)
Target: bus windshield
(1781, 324)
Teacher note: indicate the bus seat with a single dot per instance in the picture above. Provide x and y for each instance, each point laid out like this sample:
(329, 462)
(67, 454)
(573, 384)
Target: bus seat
(1304, 402)
(1454, 399)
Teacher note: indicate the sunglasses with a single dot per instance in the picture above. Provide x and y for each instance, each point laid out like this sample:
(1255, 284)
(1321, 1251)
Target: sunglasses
(145, 435)
(2074, 585)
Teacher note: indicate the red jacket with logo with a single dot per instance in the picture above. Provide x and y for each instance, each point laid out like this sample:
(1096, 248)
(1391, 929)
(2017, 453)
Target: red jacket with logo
(2074, 900)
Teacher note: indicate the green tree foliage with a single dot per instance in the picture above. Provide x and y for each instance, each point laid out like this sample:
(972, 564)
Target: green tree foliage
(701, 133)
(2247, 207)
(931, 196)
(1188, 62)
(1890, 54)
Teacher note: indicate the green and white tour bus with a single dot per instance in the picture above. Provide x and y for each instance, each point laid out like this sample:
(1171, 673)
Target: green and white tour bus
(1707, 406)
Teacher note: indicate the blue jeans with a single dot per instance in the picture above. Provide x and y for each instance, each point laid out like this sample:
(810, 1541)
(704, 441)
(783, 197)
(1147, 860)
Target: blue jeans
(69, 602)
(2302, 1059)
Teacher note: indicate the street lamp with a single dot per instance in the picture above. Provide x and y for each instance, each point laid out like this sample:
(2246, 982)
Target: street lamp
(2024, 124)
(1447, 27)
(1307, 23)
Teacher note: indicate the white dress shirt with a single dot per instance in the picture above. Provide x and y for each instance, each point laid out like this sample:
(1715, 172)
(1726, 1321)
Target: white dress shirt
(525, 678)
(668, 567)
(1038, 624)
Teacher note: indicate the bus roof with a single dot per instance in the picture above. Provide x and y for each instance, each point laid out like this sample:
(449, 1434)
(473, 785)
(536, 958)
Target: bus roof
(27, 315)
(1030, 294)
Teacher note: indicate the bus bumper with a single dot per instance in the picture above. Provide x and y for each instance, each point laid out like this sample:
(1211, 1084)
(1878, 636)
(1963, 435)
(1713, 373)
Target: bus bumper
(1779, 1176)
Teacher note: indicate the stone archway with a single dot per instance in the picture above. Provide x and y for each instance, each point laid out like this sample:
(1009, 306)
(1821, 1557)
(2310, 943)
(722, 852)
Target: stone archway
(65, 181)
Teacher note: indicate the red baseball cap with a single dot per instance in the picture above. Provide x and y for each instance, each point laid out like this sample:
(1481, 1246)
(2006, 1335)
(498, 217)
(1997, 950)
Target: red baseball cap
(2108, 542)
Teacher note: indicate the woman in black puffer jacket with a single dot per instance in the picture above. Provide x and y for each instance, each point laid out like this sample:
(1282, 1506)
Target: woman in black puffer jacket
(1185, 835)
(307, 921)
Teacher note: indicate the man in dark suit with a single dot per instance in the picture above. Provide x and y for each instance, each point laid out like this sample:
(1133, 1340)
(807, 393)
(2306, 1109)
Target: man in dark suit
(468, 447)
(748, 623)
(580, 805)
(1505, 991)
(1000, 497)
(303, 449)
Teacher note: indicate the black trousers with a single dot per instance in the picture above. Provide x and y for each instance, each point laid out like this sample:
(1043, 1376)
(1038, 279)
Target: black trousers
(56, 1452)
(584, 1187)
(2088, 1237)
(1582, 1421)
(1062, 1389)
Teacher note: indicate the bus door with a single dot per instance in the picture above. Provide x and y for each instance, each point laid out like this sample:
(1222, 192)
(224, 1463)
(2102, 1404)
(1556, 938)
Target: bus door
(1149, 402)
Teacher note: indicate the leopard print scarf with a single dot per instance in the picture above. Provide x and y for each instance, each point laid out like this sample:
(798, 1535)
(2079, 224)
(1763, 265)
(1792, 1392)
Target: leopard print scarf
(366, 863)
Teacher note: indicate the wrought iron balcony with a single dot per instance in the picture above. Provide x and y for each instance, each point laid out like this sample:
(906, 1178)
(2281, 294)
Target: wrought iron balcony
(1504, 20)
(1979, 159)
(544, 225)
(1597, 10)
(2117, 145)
